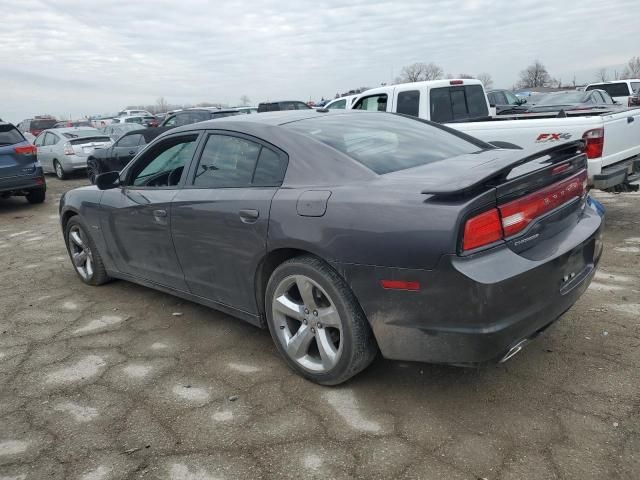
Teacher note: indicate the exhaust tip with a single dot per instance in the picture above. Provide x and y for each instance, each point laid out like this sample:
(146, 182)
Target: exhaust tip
(513, 351)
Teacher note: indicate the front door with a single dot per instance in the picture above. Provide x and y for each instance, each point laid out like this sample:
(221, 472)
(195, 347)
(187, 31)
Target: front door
(221, 217)
(137, 216)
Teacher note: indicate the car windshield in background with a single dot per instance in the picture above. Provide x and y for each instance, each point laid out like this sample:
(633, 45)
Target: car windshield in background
(613, 89)
(385, 143)
(81, 133)
(10, 135)
(42, 124)
(459, 103)
(562, 98)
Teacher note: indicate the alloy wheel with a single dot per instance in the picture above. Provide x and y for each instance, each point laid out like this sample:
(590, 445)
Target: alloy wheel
(59, 171)
(80, 252)
(307, 323)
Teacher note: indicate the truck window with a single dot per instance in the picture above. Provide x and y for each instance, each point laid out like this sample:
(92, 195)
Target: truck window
(409, 102)
(635, 86)
(373, 103)
(458, 103)
(614, 89)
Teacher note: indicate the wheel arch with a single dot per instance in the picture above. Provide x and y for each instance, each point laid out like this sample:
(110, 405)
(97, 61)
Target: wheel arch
(66, 216)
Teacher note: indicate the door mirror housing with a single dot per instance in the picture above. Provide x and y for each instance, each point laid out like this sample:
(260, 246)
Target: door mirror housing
(108, 180)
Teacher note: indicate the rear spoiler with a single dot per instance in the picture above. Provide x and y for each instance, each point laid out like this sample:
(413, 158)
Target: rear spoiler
(496, 171)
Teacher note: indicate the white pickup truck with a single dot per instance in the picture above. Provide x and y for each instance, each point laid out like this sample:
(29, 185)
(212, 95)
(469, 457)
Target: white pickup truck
(612, 139)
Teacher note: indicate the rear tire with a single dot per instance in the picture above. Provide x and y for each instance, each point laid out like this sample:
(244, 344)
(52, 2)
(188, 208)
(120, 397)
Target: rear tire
(85, 258)
(319, 328)
(36, 195)
(60, 173)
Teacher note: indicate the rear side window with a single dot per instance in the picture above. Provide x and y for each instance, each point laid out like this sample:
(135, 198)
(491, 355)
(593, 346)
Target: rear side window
(50, 139)
(373, 103)
(270, 169)
(129, 141)
(449, 104)
(10, 135)
(409, 102)
(614, 89)
(386, 143)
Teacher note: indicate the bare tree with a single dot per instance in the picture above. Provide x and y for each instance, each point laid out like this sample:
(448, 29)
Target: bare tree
(535, 75)
(245, 100)
(420, 71)
(465, 75)
(162, 105)
(486, 80)
(632, 70)
(602, 75)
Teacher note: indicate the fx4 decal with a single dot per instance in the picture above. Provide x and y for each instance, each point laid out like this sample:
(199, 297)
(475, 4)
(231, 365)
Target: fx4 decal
(552, 137)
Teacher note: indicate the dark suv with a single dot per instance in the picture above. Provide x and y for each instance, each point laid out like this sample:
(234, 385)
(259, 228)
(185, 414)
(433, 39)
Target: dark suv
(282, 105)
(20, 171)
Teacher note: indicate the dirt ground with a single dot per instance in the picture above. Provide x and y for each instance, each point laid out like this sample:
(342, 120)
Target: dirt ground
(107, 383)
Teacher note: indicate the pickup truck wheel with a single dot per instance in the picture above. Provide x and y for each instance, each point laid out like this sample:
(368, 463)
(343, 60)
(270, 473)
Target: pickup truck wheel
(85, 258)
(316, 322)
(60, 173)
(35, 195)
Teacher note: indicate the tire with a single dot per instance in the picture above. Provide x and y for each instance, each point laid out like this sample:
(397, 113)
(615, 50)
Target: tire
(93, 170)
(97, 274)
(36, 195)
(352, 345)
(59, 171)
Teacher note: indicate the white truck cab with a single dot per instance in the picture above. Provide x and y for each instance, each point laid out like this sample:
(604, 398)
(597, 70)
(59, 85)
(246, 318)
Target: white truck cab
(619, 90)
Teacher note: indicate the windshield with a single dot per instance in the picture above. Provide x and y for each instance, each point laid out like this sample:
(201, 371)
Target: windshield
(562, 98)
(383, 142)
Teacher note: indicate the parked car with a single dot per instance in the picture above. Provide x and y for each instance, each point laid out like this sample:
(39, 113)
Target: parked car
(619, 90)
(145, 121)
(36, 125)
(282, 105)
(462, 104)
(136, 113)
(573, 100)
(247, 109)
(115, 156)
(459, 253)
(505, 102)
(342, 103)
(72, 123)
(116, 130)
(20, 171)
(194, 115)
(64, 150)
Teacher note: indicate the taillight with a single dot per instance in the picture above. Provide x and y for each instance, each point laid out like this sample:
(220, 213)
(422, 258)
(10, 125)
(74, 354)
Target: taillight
(594, 142)
(26, 150)
(518, 214)
(68, 149)
(482, 230)
(513, 217)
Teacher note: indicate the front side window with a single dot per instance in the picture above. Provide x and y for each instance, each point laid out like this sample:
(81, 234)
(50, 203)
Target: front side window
(163, 165)
(227, 162)
(374, 103)
(409, 102)
(511, 98)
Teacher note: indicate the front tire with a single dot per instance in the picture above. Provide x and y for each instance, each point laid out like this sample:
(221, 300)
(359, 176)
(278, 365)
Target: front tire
(316, 322)
(93, 170)
(60, 173)
(36, 195)
(85, 258)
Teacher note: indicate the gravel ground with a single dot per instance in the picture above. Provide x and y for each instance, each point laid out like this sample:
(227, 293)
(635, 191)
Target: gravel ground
(108, 383)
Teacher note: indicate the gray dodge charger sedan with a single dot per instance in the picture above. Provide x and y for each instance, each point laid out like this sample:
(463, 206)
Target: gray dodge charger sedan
(348, 233)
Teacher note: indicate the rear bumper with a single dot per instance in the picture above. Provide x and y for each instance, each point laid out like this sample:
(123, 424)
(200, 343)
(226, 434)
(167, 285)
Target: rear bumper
(623, 172)
(21, 183)
(73, 162)
(474, 310)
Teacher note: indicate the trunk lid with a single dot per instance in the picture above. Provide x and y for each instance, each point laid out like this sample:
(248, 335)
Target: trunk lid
(83, 147)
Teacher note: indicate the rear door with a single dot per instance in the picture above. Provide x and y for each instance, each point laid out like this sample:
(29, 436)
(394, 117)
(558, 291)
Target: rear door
(220, 218)
(46, 152)
(14, 162)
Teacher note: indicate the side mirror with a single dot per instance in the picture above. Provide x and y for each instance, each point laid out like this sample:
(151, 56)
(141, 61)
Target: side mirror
(108, 180)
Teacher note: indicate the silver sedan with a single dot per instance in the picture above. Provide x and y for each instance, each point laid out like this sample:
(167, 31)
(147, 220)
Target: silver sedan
(63, 150)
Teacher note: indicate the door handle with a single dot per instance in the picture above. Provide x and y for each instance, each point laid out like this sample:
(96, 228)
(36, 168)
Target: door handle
(132, 152)
(630, 119)
(249, 215)
(160, 213)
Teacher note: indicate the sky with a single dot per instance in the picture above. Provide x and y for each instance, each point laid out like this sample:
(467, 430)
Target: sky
(79, 57)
